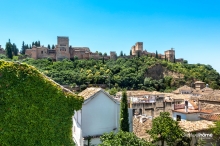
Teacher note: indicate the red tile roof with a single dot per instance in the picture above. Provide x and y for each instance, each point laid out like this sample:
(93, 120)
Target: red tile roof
(211, 117)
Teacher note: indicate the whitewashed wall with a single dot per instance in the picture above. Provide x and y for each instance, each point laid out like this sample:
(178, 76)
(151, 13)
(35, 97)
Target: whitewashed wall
(77, 132)
(99, 115)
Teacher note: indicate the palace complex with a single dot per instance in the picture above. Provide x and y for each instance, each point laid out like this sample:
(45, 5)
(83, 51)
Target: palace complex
(64, 51)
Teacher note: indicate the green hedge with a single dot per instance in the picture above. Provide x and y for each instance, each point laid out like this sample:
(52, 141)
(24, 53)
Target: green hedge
(33, 109)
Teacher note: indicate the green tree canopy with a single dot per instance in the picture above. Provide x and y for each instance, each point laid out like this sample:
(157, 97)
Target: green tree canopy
(122, 139)
(216, 132)
(165, 129)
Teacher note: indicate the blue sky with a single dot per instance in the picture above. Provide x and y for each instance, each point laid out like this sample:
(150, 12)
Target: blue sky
(192, 27)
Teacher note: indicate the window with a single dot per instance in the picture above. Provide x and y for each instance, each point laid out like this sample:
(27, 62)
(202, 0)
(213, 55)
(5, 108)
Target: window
(178, 117)
(42, 52)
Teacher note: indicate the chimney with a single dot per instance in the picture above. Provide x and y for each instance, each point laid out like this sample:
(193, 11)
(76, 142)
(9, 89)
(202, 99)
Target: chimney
(186, 106)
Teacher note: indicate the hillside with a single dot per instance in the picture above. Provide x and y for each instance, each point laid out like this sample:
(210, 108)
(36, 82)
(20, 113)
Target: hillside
(146, 73)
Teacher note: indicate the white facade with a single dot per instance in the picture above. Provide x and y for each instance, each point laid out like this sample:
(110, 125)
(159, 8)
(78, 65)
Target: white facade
(99, 114)
(186, 116)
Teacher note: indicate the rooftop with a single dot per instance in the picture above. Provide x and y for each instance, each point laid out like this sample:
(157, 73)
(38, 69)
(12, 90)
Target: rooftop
(213, 96)
(135, 93)
(89, 92)
(211, 117)
(183, 88)
(190, 111)
(193, 126)
(199, 82)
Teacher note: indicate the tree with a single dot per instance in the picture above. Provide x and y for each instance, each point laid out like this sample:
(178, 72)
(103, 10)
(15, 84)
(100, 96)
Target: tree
(174, 59)
(216, 132)
(9, 49)
(30, 47)
(130, 52)
(23, 48)
(53, 47)
(105, 54)
(121, 53)
(165, 57)
(156, 54)
(15, 49)
(103, 60)
(38, 43)
(165, 129)
(33, 44)
(48, 46)
(138, 54)
(124, 123)
(100, 53)
(122, 139)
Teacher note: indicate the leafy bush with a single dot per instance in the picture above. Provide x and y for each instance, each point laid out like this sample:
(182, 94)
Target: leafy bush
(34, 110)
(122, 139)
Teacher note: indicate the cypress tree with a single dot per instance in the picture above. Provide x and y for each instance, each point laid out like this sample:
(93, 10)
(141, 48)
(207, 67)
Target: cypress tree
(9, 49)
(130, 52)
(48, 46)
(103, 61)
(121, 54)
(138, 54)
(38, 43)
(124, 123)
(174, 59)
(53, 47)
(33, 44)
(165, 57)
(156, 55)
(15, 49)
(23, 48)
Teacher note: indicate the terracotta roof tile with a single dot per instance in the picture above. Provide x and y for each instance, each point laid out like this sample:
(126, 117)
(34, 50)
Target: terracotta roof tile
(211, 117)
(213, 96)
(185, 87)
(197, 82)
(192, 126)
(89, 92)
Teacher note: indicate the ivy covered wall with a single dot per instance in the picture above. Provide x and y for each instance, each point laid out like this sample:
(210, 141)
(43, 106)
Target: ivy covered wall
(33, 109)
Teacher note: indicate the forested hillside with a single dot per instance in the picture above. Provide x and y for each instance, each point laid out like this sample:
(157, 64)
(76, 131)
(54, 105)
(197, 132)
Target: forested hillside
(125, 73)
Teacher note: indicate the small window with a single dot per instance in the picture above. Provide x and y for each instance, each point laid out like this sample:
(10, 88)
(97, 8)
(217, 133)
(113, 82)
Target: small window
(42, 52)
(178, 117)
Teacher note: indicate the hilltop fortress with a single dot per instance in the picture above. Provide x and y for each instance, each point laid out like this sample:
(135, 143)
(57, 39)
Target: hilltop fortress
(64, 51)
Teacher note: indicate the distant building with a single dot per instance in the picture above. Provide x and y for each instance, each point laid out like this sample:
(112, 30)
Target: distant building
(64, 51)
(169, 55)
(2, 51)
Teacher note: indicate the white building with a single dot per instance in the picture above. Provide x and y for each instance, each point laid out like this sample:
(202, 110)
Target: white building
(100, 114)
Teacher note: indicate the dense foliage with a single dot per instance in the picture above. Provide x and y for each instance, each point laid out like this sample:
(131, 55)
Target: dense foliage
(122, 139)
(124, 121)
(165, 129)
(124, 73)
(34, 110)
(216, 132)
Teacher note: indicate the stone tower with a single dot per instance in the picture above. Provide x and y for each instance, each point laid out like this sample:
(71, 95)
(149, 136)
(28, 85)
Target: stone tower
(113, 55)
(62, 48)
(170, 55)
(138, 47)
